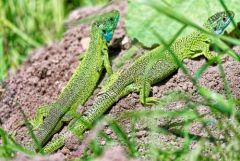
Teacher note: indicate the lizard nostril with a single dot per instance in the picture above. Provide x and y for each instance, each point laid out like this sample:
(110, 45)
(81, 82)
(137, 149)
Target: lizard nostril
(97, 24)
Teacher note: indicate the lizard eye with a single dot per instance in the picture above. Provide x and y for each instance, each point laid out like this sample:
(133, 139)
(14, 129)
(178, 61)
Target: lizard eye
(111, 19)
(97, 24)
(224, 19)
(215, 28)
(104, 31)
(207, 42)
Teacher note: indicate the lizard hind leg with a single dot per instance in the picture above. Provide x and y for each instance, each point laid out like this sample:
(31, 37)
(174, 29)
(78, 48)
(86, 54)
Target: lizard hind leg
(41, 113)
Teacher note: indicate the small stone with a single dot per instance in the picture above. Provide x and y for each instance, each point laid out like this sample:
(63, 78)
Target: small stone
(125, 40)
(103, 142)
(65, 151)
(141, 134)
(85, 43)
(108, 131)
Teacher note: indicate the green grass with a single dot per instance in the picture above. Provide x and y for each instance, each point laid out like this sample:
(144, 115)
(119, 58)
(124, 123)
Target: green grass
(224, 108)
(28, 24)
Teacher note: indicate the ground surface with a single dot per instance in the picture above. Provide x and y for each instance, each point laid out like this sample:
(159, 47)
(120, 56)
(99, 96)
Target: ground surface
(41, 78)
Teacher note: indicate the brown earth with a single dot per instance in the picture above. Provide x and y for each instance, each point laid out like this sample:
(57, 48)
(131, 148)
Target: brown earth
(45, 72)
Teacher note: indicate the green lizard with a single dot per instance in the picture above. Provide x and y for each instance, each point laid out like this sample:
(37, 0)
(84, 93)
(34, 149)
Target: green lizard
(83, 81)
(133, 79)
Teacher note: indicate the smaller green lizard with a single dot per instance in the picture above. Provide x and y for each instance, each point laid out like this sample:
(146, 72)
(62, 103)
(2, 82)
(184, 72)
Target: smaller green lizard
(133, 79)
(83, 81)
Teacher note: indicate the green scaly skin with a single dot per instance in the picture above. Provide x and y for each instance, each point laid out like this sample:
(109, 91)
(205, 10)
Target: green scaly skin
(83, 81)
(132, 80)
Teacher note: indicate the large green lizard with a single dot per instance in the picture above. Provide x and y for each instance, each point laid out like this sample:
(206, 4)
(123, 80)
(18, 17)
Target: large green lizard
(83, 81)
(134, 78)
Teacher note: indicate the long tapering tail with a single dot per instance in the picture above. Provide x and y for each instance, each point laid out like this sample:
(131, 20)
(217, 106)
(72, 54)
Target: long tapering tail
(98, 109)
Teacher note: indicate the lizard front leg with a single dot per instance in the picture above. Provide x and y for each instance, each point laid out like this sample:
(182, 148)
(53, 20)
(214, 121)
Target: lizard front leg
(202, 49)
(145, 89)
(143, 86)
(106, 61)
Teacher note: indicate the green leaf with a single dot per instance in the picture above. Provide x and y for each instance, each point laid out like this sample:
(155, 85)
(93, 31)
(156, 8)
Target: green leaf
(142, 19)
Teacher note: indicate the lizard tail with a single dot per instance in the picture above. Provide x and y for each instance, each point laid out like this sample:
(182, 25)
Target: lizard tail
(100, 106)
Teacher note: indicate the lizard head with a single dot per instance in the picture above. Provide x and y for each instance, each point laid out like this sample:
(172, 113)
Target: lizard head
(219, 21)
(107, 24)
